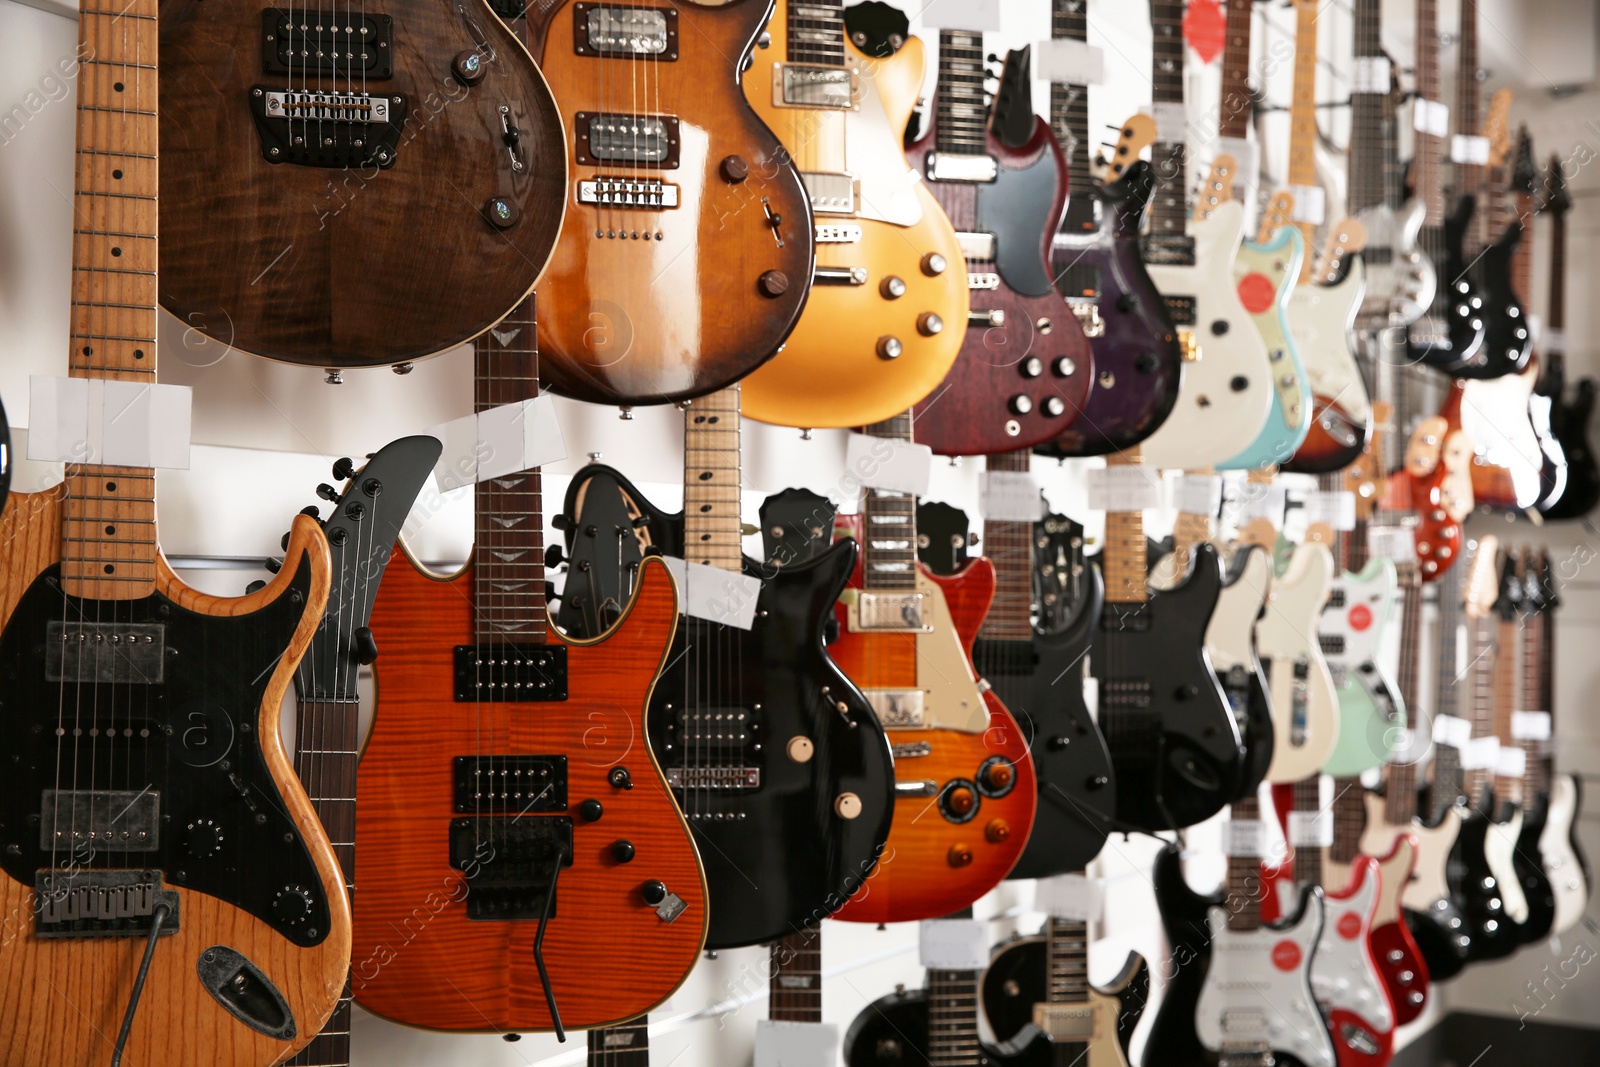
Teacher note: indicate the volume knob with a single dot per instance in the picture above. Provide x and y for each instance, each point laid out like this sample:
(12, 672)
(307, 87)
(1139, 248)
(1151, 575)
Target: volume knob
(203, 839)
(292, 904)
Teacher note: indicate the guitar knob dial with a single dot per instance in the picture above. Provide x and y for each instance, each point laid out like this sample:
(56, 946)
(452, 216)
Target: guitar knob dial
(292, 904)
(203, 839)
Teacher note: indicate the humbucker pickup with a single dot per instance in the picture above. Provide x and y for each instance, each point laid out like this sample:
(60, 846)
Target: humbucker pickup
(953, 167)
(1065, 1022)
(1182, 309)
(976, 245)
(109, 653)
(901, 612)
(351, 44)
(645, 194)
(509, 863)
(510, 784)
(637, 140)
(798, 85)
(101, 903)
(899, 709)
(1169, 250)
(533, 673)
(86, 821)
(1125, 694)
(830, 193)
(635, 32)
(1332, 644)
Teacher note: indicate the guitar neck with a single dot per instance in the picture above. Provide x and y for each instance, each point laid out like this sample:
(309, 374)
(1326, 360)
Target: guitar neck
(1400, 795)
(1308, 859)
(1069, 103)
(1124, 560)
(1557, 317)
(889, 549)
(963, 115)
(1481, 656)
(508, 566)
(1244, 886)
(627, 1045)
(1234, 120)
(1536, 774)
(1522, 259)
(795, 995)
(815, 32)
(1468, 116)
(108, 535)
(1009, 546)
(1067, 953)
(1507, 686)
(1349, 820)
(1428, 154)
(953, 1019)
(1303, 121)
(1446, 784)
(711, 525)
(1369, 120)
(1169, 215)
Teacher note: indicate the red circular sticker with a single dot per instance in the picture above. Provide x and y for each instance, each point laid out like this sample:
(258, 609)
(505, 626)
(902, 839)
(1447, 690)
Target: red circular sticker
(1205, 28)
(1286, 955)
(1349, 926)
(1360, 617)
(1256, 292)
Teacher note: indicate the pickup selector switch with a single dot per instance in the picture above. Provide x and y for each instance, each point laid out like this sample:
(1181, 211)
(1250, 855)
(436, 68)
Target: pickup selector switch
(468, 67)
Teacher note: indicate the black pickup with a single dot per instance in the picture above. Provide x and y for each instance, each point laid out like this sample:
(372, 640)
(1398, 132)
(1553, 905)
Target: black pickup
(515, 673)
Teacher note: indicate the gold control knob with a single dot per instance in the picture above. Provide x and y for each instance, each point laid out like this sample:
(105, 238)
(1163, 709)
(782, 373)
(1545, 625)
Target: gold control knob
(929, 324)
(933, 264)
(889, 347)
(997, 777)
(997, 831)
(892, 288)
(959, 855)
(960, 801)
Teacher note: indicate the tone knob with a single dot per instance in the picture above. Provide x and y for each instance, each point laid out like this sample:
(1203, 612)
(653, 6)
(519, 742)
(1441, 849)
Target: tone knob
(1019, 404)
(933, 264)
(929, 324)
(203, 839)
(292, 904)
(1064, 367)
(622, 851)
(959, 803)
(500, 212)
(468, 67)
(847, 806)
(801, 749)
(892, 288)
(591, 810)
(734, 170)
(653, 892)
(959, 855)
(1219, 327)
(1238, 383)
(889, 347)
(1128, 302)
(773, 283)
(1054, 406)
(997, 831)
(1031, 367)
(1146, 362)
(997, 775)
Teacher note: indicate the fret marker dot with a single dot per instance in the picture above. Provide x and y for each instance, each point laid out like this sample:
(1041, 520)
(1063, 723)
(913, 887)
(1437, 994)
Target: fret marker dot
(88, 350)
(116, 251)
(111, 487)
(110, 569)
(117, 174)
(138, 353)
(117, 87)
(111, 529)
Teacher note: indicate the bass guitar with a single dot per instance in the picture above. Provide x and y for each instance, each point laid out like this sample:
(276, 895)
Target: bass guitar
(776, 758)
(887, 255)
(1025, 367)
(160, 860)
(305, 154)
(688, 244)
(508, 788)
(1569, 418)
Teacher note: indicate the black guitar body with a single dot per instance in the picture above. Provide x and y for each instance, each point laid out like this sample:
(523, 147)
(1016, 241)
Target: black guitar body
(1571, 424)
(1172, 1038)
(1451, 332)
(1173, 739)
(1018, 978)
(1250, 696)
(5, 458)
(1507, 344)
(1536, 887)
(726, 713)
(1477, 892)
(892, 1031)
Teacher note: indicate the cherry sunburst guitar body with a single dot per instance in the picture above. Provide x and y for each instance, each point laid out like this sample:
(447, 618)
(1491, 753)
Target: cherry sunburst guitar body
(687, 250)
(414, 928)
(875, 255)
(958, 828)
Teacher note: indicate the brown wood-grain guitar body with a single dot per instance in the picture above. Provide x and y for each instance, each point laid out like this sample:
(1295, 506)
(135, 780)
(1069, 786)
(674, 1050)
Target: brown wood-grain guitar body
(650, 303)
(418, 957)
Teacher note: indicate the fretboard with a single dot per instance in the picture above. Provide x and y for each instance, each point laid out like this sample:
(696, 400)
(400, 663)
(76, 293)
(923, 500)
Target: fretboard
(1308, 859)
(1124, 561)
(1067, 952)
(711, 480)
(1468, 117)
(1069, 104)
(1368, 118)
(108, 536)
(816, 32)
(1507, 686)
(1428, 153)
(796, 984)
(1480, 676)
(889, 556)
(1009, 546)
(953, 1019)
(1349, 820)
(1169, 214)
(1244, 885)
(1557, 317)
(1446, 784)
(963, 115)
(508, 567)
(627, 1045)
(1400, 794)
(1234, 119)
(1536, 777)
(1522, 259)
(1303, 121)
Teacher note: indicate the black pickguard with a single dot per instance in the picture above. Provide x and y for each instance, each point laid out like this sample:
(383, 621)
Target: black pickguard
(1016, 208)
(1018, 978)
(1536, 887)
(193, 738)
(1507, 343)
(1476, 890)
(776, 857)
(1173, 739)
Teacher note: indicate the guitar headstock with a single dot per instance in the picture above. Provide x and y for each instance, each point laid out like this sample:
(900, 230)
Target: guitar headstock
(1218, 186)
(1508, 602)
(1497, 127)
(1483, 581)
(1364, 477)
(1059, 571)
(1557, 197)
(943, 536)
(1345, 238)
(1532, 578)
(1524, 173)
(1137, 134)
(876, 28)
(1550, 595)
(1279, 213)
(1011, 115)
(796, 526)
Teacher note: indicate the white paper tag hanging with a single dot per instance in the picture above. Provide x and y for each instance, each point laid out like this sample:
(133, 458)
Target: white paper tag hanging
(976, 15)
(1071, 62)
(1530, 725)
(1395, 543)
(1336, 508)
(1198, 494)
(1172, 122)
(1123, 488)
(1242, 838)
(1469, 149)
(121, 424)
(1261, 502)
(1430, 117)
(786, 1044)
(1310, 203)
(1555, 342)
(1010, 496)
(497, 442)
(1480, 754)
(715, 594)
(1511, 761)
(1451, 730)
(1071, 896)
(1311, 829)
(1371, 75)
(887, 463)
(953, 944)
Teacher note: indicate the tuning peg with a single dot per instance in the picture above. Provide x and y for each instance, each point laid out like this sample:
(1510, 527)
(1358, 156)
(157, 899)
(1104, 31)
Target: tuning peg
(273, 565)
(550, 594)
(365, 647)
(255, 586)
(328, 492)
(343, 468)
(554, 556)
(284, 544)
(747, 529)
(639, 521)
(561, 522)
(312, 511)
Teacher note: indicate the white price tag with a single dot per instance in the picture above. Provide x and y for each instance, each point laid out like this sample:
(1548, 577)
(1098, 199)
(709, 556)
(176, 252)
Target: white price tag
(1555, 342)
(976, 15)
(1451, 730)
(1198, 494)
(1430, 117)
(953, 944)
(885, 463)
(1511, 762)
(1398, 740)
(1371, 75)
(1336, 508)
(1010, 496)
(1071, 62)
(1246, 157)
(1172, 122)
(1242, 838)
(1465, 149)
(1123, 488)
(120, 424)
(1480, 754)
(1258, 501)
(1310, 203)
(715, 594)
(785, 1044)
(1311, 829)
(1530, 725)
(1395, 543)
(500, 441)
(1071, 896)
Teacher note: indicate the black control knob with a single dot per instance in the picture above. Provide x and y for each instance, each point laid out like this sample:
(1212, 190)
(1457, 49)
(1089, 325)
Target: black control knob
(468, 67)
(620, 778)
(1239, 383)
(292, 904)
(1146, 362)
(343, 468)
(734, 169)
(1031, 367)
(591, 810)
(203, 839)
(622, 851)
(1128, 302)
(1020, 404)
(499, 212)
(653, 892)
(1219, 327)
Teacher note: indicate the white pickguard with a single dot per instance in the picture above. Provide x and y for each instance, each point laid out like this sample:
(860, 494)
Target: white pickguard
(1321, 318)
(1499, 846)
(1360, 622)
(1428, 881)
(1211, 423)
(1344, 976)
(887, 187)
(1250, 997)
(1230, 635)
(1494, 416)
(1560, 863)
(1287, 635)
(1401, 291)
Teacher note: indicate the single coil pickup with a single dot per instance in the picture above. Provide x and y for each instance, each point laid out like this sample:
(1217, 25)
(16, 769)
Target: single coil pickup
(638, 194)
(1135, 693)
(514, 673)
(723, 779)
(1332, 644)
(113, 653)
(798, 85)
(509, 863)
(636, 32)
(976, 245)
(101, 903)
(78, 821)
(1378, 255)
(1169, 250)
(713, 727)
(315, 129)
(638, 140)
(510, 784)
(349, 45)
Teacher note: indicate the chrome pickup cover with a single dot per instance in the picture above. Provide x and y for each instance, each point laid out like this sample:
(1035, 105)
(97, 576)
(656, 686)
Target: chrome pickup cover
(121, 653)
(831, 194)
(911, 750)
(797, 85)
(637, 193)
(899, 709)
(1065, 1022)
(898, 612)
(952, 167)
(104, 820)
(644, 32)
(976, 245)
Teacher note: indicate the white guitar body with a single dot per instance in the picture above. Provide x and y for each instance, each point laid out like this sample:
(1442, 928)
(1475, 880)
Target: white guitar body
(1231, 633)
(1394, 874)
(1344, 975)
(1351, 631)
(1211, 422)
(1499, 847)
(1427, 882)
(1257, 989)
(1322, 318)
(1560, 861)
(1400, 290)
(1305, 703)
(1495, 418)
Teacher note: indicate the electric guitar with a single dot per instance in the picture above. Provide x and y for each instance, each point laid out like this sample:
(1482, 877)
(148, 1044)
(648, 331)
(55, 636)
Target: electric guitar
(776, 759)
(887, 256)
(508, 788)
(1435, 482)
(1025, 367)
(1569, 419)
(1558, 846)
(1098, 267)
(1322, 313)
(964, 784)
(1227, 389)
(1523, 637)
(688, 244)
(1505, 786)
(303, 167)
(926, 1028)
(141, 715)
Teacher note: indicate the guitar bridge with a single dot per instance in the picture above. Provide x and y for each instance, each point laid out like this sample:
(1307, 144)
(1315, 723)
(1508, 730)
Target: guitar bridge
(101, 903)
(508, 863)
